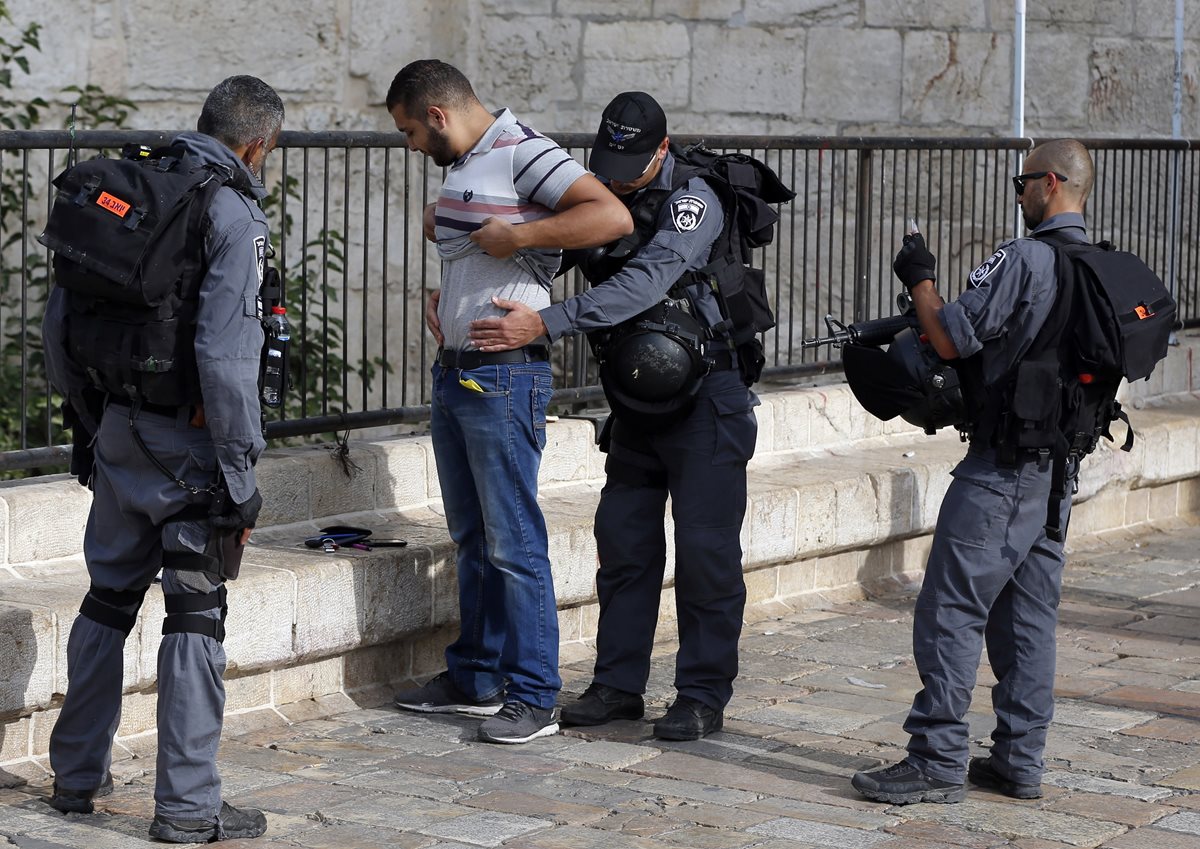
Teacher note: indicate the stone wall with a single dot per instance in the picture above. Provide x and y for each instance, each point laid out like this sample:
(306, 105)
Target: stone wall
(941, 67)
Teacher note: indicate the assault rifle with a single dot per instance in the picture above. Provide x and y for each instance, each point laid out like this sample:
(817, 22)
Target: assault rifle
(908, 379)
(875, 332)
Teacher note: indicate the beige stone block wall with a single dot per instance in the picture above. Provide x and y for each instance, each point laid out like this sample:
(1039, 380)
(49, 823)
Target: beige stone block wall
(1103, 67)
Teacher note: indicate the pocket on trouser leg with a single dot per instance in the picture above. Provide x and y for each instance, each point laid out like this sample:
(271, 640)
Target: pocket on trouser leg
(735, 427)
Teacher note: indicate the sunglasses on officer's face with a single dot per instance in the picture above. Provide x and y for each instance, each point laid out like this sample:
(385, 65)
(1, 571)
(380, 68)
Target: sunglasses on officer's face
(1020, 180)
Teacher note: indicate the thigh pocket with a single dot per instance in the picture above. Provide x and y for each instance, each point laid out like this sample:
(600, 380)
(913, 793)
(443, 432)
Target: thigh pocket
(736, 428)
(199, 465)
(539, 398)
(977, 509)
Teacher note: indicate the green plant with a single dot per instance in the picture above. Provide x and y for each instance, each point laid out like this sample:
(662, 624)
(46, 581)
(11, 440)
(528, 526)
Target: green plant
(31, 418)
(317, 354)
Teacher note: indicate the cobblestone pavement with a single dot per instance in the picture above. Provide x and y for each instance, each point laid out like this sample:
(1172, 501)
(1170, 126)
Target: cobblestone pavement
(822, 693)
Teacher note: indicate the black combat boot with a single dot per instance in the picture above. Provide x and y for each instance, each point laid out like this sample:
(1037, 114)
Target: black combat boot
(601, 703)
(231, 823)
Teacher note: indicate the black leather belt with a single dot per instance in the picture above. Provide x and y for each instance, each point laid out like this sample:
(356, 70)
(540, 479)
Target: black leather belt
(475, 359)
(160, 409)
(722, 360)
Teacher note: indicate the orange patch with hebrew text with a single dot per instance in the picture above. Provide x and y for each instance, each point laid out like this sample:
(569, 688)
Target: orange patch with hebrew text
(114, 205)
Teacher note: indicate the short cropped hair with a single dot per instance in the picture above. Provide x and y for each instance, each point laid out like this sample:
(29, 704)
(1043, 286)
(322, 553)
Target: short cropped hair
(1069, 157)
(429, 82)
(241, 109)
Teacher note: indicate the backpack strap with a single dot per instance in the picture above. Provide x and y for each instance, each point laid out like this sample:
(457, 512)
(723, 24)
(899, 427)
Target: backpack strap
(1049, 338)
(1061, 460)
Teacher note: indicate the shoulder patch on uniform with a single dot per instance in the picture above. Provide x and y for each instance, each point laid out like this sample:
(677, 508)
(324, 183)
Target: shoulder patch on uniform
(990, 264)
(687, 212)
(260, 253)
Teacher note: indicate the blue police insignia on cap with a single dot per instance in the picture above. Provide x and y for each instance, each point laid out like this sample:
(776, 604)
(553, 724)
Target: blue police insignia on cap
(687, 213)
(991, 264)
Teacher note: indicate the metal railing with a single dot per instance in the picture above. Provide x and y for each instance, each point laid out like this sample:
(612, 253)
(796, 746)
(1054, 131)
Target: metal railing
(345, 213)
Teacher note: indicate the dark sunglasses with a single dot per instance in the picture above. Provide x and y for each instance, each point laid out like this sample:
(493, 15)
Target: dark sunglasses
(1020, 180)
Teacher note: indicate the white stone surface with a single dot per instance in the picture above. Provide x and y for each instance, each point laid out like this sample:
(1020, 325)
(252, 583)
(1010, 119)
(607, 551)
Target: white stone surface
(46, 517)
(748, 69)
(1103, 66)
(853, 74)
(957, 77)
(652, 57)
(1092, 784)
(27, 637)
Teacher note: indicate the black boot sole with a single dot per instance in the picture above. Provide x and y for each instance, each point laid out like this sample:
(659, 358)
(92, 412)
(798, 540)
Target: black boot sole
(948, 796)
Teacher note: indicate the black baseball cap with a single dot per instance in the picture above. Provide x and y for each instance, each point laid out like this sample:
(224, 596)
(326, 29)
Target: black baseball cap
(631, 129)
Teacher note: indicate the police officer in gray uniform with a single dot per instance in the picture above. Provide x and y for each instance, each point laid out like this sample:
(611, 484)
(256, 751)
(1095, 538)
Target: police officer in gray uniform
(993, 574)
(141, 519)
(700, 462)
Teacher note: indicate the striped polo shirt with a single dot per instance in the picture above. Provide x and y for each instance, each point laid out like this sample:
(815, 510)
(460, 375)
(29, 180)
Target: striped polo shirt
(514, 173)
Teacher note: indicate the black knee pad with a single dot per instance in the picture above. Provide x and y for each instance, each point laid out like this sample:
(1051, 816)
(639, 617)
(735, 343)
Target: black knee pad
(117, 609)
(183, 613)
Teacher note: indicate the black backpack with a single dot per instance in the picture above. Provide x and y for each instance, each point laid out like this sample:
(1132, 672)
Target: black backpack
(128, 242)
(1111, 321)
(747, 189)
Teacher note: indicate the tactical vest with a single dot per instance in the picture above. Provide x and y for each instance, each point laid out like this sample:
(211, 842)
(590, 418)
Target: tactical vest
(128, 242)
(746, 189)
(1110, 321)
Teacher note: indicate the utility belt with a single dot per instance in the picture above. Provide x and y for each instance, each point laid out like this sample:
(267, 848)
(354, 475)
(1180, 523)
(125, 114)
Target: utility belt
(721, 361)
(474, 359)
(158, 409)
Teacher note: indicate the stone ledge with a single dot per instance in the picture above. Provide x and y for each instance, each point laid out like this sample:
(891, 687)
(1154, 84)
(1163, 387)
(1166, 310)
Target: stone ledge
(43, 518)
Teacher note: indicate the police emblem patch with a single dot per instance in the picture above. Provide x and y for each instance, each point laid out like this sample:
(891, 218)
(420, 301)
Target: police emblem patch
(991, 264)
(687, 213)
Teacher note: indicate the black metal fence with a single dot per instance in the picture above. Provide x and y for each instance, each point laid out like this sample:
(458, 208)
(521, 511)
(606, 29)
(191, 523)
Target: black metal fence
(346, 211)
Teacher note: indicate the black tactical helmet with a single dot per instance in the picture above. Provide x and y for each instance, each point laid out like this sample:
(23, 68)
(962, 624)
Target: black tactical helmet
(651, 366)
(908, 380)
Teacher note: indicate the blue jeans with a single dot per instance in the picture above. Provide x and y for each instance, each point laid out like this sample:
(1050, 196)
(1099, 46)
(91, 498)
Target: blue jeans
(489, 429)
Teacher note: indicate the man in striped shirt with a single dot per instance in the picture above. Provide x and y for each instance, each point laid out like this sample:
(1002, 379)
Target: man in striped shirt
(510, 202)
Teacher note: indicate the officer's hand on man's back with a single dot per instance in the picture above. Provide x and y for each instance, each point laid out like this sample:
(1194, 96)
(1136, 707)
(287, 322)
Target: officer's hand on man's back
(914, 262)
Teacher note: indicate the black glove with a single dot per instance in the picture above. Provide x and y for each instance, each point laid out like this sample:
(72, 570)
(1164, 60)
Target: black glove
(914, 262)
(237, 517)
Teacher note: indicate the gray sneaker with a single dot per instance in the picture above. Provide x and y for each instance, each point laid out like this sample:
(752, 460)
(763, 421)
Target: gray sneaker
(518, 722)
(441, 696)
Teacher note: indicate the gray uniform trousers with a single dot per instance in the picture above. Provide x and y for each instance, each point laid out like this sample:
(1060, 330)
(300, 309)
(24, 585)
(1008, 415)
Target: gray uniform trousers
(128, 530)
(992, 575)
